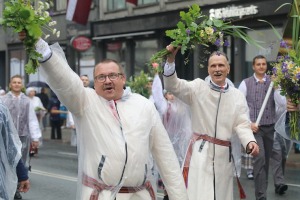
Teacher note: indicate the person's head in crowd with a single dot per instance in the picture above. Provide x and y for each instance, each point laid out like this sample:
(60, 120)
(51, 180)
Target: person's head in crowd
(30, 92)
(2, 92)
(259, 65)
(218, 67)
(109, 79)
(85, 80)
(43, 90)
(16, 84)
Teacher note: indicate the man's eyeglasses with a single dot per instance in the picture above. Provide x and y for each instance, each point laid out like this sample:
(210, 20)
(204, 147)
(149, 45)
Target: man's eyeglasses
(112, 76)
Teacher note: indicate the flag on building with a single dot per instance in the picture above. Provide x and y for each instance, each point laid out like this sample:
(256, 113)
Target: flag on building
(134, 2)
(78, 11)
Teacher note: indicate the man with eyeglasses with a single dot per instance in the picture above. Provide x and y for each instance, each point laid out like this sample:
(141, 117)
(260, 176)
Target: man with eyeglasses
(117, 131)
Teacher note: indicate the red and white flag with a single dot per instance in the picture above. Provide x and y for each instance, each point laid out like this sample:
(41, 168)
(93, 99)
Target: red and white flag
(134, 2)
(78, 11)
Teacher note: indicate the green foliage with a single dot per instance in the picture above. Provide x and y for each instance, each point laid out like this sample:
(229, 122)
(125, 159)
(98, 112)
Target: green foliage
(139, 84)
(197, 29)
(286, 69)
(21, 16)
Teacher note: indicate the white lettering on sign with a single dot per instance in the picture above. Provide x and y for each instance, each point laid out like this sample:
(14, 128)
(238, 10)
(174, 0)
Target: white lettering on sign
(233, 11)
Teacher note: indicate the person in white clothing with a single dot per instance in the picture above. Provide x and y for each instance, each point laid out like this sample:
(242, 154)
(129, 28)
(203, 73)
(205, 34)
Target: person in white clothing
(116, 129)
(70, 124)
(176, 117)
(218, 111)
(40, 112)
(36, 103)
(24, 119)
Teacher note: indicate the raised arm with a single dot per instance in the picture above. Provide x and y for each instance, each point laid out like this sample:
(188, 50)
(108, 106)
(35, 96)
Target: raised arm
(166, 160)
(65, 83)
(158, 96)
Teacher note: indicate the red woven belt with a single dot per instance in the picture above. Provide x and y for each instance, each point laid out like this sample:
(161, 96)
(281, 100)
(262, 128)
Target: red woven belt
(99, 187)
(194, 138)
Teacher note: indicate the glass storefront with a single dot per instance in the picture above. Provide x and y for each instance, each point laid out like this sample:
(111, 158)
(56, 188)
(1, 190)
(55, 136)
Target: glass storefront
(17, 62)
(270, 48)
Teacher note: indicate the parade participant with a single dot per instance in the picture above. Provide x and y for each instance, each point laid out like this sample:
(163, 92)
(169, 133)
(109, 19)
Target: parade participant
(255, 88)
(24, 119)
(117, 130)
(40, 112)
(36, 103)
(85, 80)
(70, 121)
(176, 117)
(291, 107)
(23, 116)
(45, 101)
(2, 92)
(12, 169)
(218, 111)
(281, 148)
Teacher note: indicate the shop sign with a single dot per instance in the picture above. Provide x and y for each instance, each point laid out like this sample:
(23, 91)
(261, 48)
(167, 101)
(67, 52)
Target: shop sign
(233, 11)
(81, 43)
(114, 46)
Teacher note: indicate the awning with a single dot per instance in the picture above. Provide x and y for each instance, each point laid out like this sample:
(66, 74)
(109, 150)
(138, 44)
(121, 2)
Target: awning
(123, 35)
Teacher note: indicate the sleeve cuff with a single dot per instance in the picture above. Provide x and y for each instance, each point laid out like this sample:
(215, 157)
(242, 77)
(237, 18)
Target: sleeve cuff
(43, 48)
(169, 69)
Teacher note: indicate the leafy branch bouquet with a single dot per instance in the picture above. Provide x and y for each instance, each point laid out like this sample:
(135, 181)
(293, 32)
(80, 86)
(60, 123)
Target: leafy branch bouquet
(140, 84)
(286, 69)
(22, 16)
(197, 29)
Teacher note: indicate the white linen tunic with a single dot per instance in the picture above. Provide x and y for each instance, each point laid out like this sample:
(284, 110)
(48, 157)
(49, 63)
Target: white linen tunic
(230, 111)
(107, 146)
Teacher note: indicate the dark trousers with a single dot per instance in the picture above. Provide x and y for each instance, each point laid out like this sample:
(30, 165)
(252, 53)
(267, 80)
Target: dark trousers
(55, 127)
(264, 138)
(281, 149)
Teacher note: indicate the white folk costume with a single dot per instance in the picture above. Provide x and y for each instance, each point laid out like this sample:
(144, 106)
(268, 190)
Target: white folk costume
(115, 139)
(10, 154)
(216, 115)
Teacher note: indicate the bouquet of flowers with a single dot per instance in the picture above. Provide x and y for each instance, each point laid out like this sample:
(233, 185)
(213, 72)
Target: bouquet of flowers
(22, 16)
(197, 29)
(286, 70)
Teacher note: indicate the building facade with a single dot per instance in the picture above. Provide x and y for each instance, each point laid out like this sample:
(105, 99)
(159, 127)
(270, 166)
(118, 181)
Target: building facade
(131, 34)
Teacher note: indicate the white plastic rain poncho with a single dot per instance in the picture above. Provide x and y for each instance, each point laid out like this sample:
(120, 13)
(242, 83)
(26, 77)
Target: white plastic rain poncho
(176, 117)
(115, 139)
(10, 154)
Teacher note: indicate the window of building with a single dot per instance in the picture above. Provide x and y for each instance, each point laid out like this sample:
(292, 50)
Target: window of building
(144, 49)
(270, 50)
(60, 5)
(87, 63)
(115, 5)
(142, 2)
(17, 62)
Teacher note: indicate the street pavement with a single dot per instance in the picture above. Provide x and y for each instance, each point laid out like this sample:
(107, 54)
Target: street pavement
(64, 156)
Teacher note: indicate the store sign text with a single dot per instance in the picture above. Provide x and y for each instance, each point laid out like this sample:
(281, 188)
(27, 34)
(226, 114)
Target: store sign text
(81, 43)
(233, 11)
